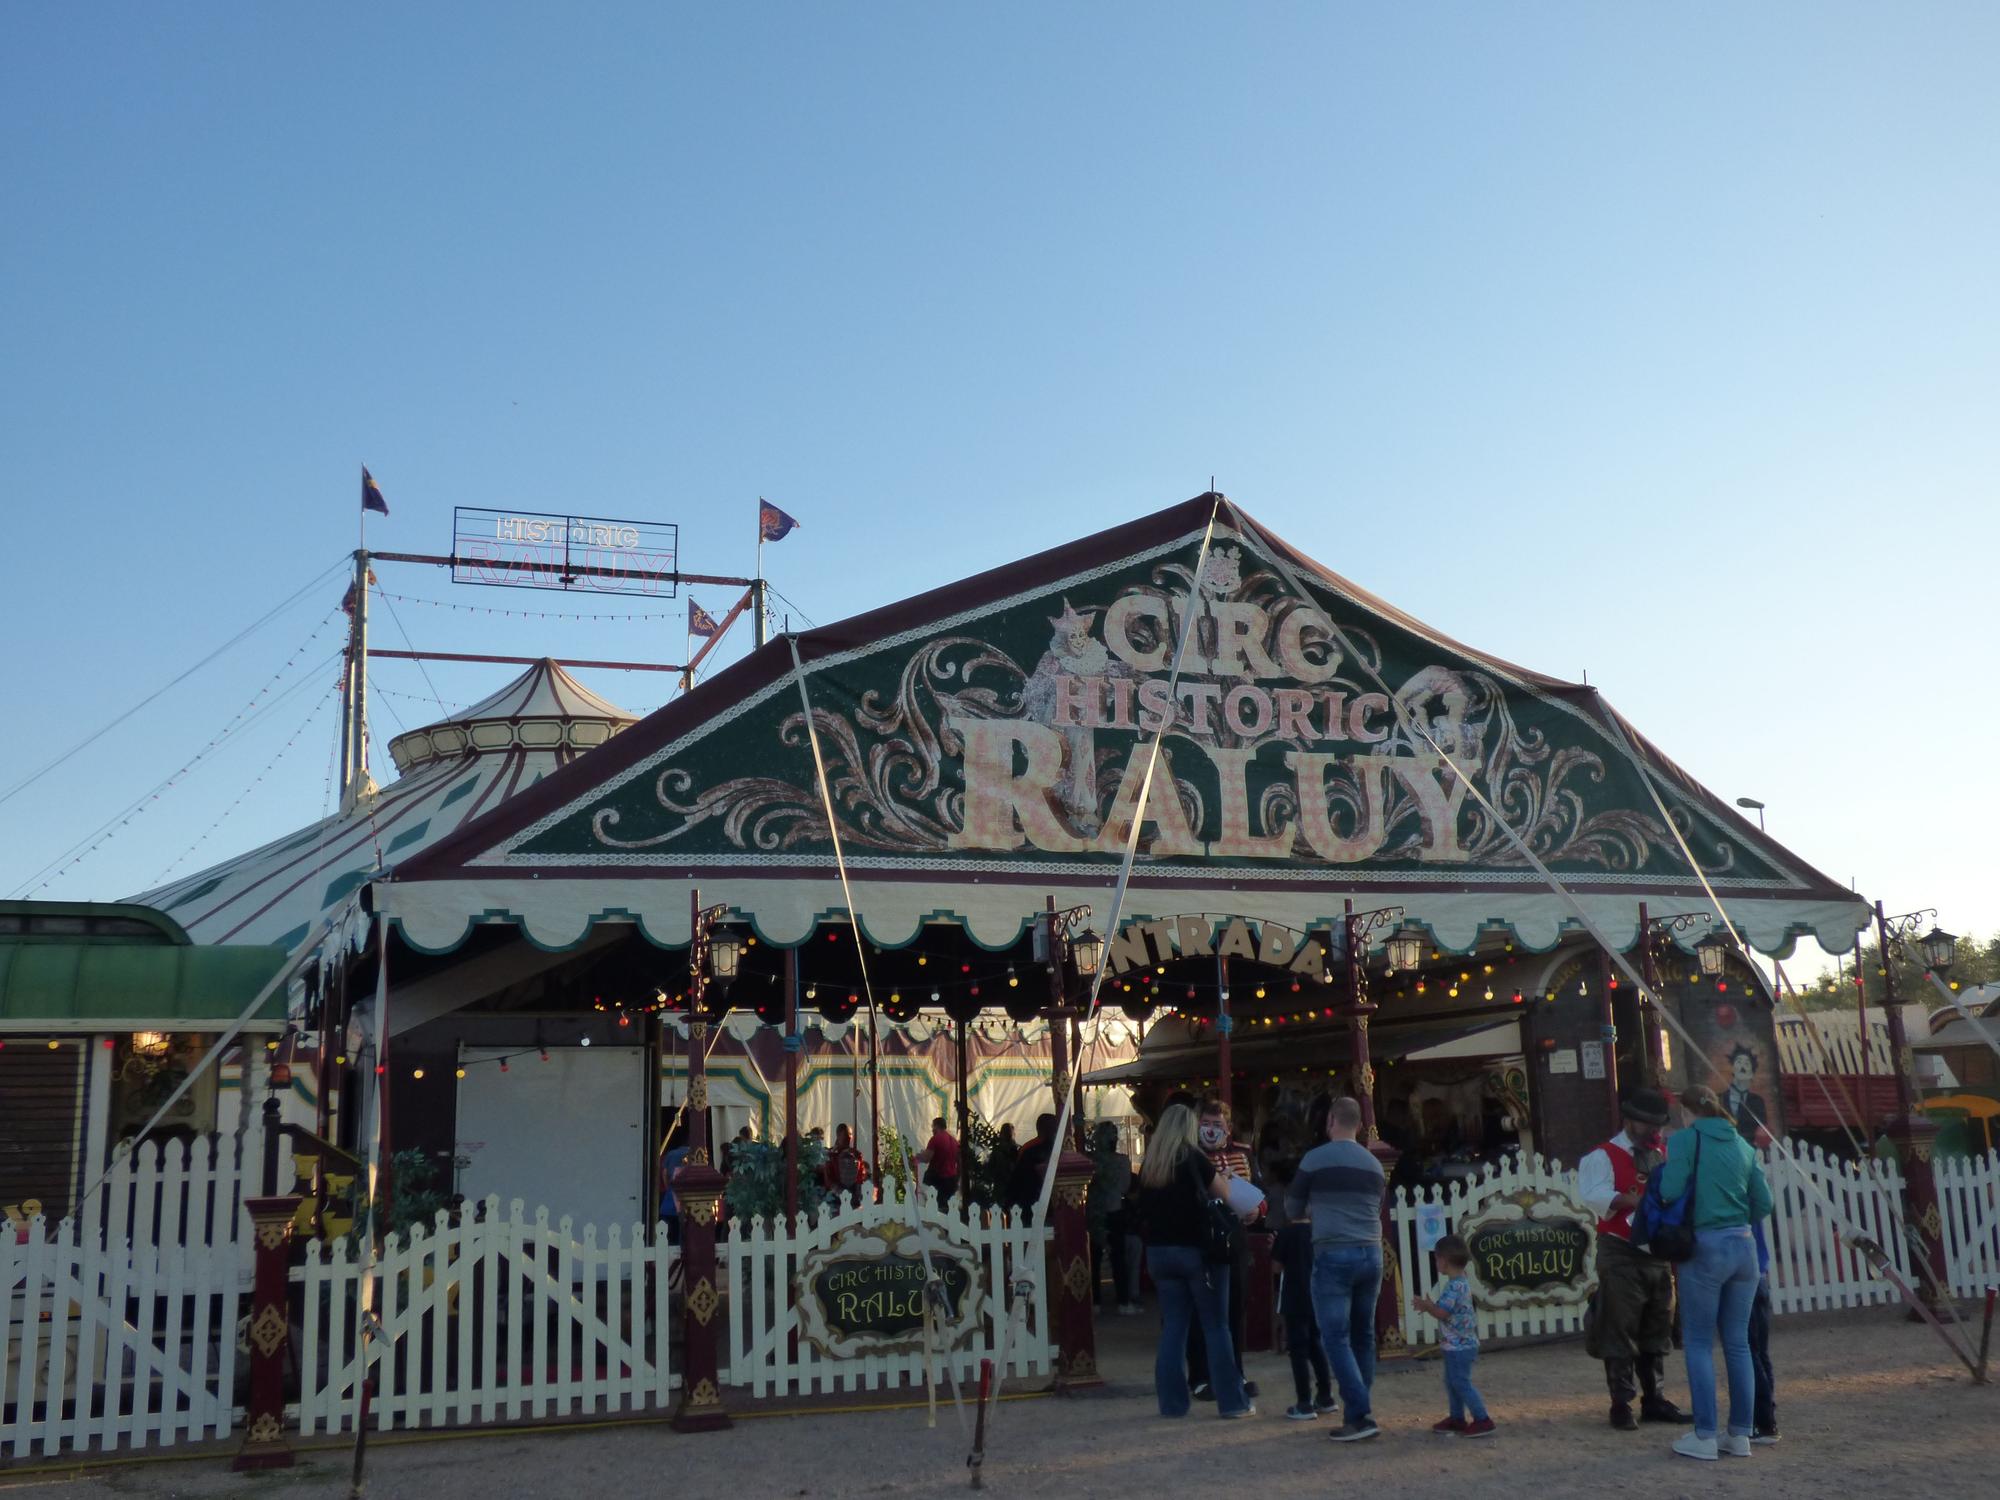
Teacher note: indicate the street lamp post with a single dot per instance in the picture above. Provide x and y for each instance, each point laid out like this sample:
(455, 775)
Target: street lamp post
(1912, 1132)
(1656, 936)
(1358, 926)
(1061, 938)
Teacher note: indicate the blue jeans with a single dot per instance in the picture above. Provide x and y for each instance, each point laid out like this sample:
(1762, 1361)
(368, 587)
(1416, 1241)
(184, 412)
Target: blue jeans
(1190, 1289)
(1347, 1279)
(1458, 1385)
(1717, 1287)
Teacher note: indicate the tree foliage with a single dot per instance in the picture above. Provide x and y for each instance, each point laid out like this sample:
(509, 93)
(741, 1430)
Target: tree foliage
(1977, 962)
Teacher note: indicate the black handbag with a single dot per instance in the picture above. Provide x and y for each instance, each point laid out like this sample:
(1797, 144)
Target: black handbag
(1219, 1229)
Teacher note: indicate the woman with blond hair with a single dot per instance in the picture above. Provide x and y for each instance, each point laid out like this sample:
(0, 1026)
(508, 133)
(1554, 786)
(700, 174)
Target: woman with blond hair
(1176, 1185)
(1718, 1285)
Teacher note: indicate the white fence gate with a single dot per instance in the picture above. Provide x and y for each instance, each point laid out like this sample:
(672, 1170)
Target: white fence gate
(1968, 1190)
(1823, 1205)
(120, 1326)
(769, 1351)
(489, 1319)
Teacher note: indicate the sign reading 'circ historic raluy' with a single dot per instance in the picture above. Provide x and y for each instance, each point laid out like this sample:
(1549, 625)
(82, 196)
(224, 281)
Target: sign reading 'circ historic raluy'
(1530, 1248)
(864, 1291)
(1014, 734)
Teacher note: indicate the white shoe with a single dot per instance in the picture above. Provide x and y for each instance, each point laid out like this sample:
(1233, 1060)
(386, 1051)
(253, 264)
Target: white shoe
(1687, 1445)
(1732, 1446)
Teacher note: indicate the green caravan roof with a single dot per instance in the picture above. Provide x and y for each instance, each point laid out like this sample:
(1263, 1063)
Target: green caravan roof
(124, 986)
(87, 921)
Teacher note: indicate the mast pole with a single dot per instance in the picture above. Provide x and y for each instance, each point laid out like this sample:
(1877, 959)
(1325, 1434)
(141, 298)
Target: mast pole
(355, 721)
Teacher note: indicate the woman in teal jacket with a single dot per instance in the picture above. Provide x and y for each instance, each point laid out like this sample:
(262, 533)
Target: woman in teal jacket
(1718, 1286)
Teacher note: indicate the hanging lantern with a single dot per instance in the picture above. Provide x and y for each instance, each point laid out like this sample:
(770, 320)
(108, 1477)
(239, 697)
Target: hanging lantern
(1712, 952)
(1939, 949)
(1087, 948)
(150, 1043)
(725, 952)
(1405, 948)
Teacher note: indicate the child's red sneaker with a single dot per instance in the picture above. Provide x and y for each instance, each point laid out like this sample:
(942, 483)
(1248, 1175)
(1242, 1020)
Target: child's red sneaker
(1451, 1426)
(1482, 1428)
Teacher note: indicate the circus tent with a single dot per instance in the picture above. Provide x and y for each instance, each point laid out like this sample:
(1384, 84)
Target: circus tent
(452, 771)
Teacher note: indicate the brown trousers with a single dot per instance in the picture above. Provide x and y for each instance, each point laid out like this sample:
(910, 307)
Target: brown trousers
(1634, 1327)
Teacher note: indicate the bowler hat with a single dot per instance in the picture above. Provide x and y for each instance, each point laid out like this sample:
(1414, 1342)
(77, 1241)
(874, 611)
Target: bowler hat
(1648, 1106)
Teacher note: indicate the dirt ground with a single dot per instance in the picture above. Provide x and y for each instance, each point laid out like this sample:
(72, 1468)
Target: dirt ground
(1870, 1405)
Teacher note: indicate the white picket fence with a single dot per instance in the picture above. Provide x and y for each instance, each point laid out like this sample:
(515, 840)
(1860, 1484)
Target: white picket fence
(1969, 1198)
(120, 1325)
(769, 1351)
(1823, 1205)
(489, 1319)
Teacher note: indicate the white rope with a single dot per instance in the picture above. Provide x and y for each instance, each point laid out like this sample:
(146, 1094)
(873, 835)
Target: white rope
(299, 957)
(368, 1325)
(910, 1187)
(1197, 607)
(1589, 924)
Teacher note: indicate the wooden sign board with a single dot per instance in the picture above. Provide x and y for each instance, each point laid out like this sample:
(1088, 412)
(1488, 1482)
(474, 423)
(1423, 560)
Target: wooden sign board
(863, 1293)
(1531, 1249)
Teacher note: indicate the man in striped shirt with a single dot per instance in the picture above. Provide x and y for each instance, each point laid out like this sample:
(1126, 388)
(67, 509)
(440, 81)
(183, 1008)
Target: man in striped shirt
(1342, 1184)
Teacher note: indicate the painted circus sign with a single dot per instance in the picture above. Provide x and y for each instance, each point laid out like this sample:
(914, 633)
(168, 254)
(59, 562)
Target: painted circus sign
(1530, 1248)
(863, 1293)
(1006, 734)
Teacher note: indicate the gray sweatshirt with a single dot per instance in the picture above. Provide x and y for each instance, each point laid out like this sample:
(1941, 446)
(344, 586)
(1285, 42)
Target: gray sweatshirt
(1343, 1184)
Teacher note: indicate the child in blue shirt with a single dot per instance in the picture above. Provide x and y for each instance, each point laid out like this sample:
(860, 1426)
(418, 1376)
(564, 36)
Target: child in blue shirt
(1458, 1338)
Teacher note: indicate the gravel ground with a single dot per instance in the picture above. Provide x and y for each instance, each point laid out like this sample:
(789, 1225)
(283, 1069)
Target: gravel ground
(1870, 1405)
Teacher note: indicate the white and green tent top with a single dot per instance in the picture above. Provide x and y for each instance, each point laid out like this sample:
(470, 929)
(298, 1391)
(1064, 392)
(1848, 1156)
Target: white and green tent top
(980, 745)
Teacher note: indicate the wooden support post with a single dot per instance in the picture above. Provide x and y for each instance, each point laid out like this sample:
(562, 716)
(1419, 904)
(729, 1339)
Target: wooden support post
(1914, 1134)
(1073, 1310)
(264, 1445)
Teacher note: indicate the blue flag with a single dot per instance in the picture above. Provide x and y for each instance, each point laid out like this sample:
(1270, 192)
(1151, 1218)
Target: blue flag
(371, 493)
(701, 622)
(773, 525)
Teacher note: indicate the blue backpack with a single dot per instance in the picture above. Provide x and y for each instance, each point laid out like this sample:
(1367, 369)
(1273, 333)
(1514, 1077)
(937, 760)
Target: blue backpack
(1662, 1229)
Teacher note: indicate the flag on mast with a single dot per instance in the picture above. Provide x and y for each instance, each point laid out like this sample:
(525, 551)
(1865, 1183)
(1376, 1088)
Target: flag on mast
(773, 525)
(371, 493)
(701, 622)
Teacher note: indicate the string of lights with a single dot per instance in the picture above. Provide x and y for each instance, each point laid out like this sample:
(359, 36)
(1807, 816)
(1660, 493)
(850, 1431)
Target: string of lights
(318, 708)
(243, 719)
(666, 617)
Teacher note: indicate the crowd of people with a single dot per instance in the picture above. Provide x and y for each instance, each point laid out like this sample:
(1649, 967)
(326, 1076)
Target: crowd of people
(1679, 1231)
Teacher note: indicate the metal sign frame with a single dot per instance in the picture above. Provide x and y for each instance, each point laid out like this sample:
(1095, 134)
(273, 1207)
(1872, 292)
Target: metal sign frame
(553, 551)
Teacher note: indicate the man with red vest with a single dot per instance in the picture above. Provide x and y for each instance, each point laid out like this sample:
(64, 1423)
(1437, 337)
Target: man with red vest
(1633, 1328)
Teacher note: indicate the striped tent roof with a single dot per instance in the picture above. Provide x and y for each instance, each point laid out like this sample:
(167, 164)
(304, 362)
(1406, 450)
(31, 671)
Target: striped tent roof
(451, 772)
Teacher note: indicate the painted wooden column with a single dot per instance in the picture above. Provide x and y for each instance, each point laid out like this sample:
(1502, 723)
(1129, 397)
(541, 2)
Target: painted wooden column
(1072, 1308)
(698, 1194)
(264, 1445)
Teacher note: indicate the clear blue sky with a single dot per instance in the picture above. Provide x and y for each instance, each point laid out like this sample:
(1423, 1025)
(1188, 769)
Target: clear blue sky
(1653, 342)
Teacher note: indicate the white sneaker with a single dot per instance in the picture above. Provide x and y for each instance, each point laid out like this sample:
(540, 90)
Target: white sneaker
(1687, 1445)
(1733, 1446)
